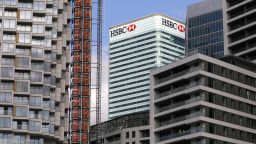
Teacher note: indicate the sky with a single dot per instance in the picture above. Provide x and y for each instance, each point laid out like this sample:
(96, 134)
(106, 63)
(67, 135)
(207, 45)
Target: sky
(120, 11)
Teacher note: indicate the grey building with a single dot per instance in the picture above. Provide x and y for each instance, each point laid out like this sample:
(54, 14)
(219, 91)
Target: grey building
(205, 100)
(204, 28)
(129, 129)
(34, 74)
(240, 28)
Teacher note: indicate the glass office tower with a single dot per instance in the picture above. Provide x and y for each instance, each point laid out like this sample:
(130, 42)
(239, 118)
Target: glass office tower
(136, 47)
(205, 28)
(34, 59)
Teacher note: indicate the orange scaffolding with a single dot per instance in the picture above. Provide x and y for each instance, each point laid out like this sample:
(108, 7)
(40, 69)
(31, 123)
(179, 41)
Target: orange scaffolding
(81, 72)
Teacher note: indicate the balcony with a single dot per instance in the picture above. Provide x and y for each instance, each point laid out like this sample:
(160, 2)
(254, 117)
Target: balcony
(20, 127)
(181, 133)
(179, 74)
(182, 103)
(182, 118)
(175, 90)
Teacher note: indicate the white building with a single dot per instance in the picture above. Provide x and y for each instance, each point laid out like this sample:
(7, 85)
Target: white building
(136, 47)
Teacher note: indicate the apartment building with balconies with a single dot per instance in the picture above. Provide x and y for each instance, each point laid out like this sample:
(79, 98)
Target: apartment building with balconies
(203, 100)
(34, 76)
(240, 28)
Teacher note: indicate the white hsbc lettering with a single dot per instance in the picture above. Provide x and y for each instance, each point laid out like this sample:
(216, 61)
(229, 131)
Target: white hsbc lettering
(173, 25)
(122, 30)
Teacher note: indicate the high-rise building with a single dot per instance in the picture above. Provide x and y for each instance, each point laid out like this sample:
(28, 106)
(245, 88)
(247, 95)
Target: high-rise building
(136, 47)
(240, 28)
(34, 79)
(204, 31)
(201, 99)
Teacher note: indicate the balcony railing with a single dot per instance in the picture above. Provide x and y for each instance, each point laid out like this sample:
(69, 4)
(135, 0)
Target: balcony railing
(193, 84)
(182, 118)
(179, 74)
(181, 133)
(198, 98)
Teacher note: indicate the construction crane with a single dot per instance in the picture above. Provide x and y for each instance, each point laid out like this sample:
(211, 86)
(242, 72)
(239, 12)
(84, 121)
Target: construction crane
(81, 65)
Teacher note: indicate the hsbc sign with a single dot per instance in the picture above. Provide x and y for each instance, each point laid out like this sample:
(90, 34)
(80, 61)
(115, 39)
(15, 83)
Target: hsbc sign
(123, 30)
(173, 25)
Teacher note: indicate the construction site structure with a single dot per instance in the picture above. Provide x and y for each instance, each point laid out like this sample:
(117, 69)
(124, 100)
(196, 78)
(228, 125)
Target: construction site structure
(81, 65)
(81, 71)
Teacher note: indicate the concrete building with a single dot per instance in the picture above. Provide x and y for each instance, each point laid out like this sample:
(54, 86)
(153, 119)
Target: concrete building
(34, 78)
(201, 99)
(129, 129)
(204, 30)
(240, 28)
(136, 47)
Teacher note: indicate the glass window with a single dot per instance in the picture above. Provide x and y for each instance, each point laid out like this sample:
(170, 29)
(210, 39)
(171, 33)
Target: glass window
(24, 38)
(36, 76)
(9, 23)
(10, 2)
(23, 100)
(21, 111)
(39, 5)
(21, 86)
(22, 62)
(7, 72)
(37, 66)
(7, 61)
(23, 51)
(10, 13)
(45, 115)
(20, 139)
(24, 5)
(6, 86)
(6, 97)
(5, 122)
(36, 140)
(37, 53)
(48, 19)
(39, 42)
(25, 15)
(34, 125)
(35, 101)
(23, 27)
(8, 48)
(20, 75)
(36, 90)
(39, 29)
(9, 37)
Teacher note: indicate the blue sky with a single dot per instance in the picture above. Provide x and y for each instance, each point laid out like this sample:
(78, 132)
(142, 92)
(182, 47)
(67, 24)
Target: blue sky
(120, 11)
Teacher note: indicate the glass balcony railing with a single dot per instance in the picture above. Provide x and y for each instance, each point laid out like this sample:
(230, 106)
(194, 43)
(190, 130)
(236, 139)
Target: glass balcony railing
(178, 89)
(182, 118)
(161, 109)
(181, 133)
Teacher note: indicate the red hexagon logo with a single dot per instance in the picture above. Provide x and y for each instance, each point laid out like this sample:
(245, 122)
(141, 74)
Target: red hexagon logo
(181, 28)
(131, 27)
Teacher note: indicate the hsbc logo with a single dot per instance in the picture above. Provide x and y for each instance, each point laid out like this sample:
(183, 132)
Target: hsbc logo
(173, 25)
(123, 30)
(131, 27)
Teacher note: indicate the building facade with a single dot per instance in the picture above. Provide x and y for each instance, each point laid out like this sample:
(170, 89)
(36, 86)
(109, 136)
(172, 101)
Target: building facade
(136, 47)
(239, 28)
(204, 30)
(201, 99)
(34, 78)
(128, 129)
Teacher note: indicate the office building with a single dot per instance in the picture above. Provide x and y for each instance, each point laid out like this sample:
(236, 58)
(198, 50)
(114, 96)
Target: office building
(201, 99)
(204, 31)
(240, 28)
(128, 129)
(34, 79)
(136, 47)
